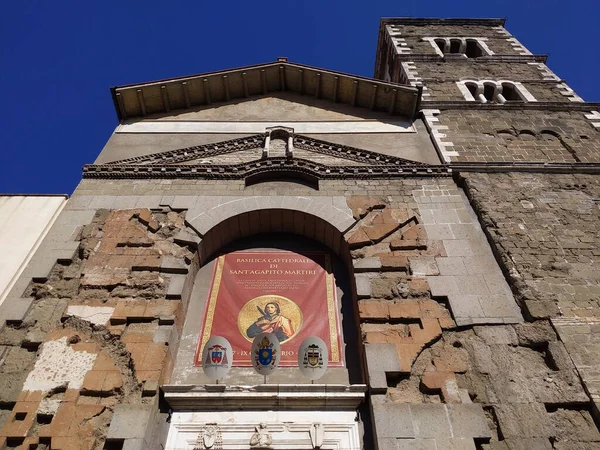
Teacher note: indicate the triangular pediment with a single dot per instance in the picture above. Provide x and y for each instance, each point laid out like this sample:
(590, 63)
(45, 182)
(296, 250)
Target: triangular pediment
(274, 107)
(177, 95)
(278, 149)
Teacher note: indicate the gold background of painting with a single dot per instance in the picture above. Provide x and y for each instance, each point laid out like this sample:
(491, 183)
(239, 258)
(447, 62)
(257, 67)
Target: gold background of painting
(250, 314)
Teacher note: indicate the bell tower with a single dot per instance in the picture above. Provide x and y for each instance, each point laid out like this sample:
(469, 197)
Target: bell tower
(525, 148)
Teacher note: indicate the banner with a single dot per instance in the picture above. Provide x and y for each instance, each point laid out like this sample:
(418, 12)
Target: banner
(287, 293)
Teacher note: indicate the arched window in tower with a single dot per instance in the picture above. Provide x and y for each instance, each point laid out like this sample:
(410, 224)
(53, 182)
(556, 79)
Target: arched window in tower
(510, 93)
(472, 87)
(460, 46)
(455, 46)
(473, 49)
(491, 91)
(441, 43)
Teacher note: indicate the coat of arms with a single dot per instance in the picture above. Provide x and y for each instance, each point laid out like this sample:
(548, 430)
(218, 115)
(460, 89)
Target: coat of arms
(265, 354)
(313, 357)
(216, 356)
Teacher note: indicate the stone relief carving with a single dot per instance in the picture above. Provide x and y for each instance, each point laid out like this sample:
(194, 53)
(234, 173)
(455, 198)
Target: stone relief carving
(209, 438)
(317, 433)
(261, 437)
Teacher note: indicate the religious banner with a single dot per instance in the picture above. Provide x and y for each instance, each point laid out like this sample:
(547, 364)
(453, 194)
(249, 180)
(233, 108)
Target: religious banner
(291, 295)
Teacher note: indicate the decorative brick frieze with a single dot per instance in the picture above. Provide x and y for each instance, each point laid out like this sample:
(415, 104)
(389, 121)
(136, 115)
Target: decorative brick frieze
(517, 136)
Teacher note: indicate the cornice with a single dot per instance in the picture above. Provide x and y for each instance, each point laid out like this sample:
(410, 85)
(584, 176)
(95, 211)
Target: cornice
(258, 141)
(169, 164)
(201, 90)
(534, 167)
(282, 165)
(512, 106)
(490, 22)
(325, 397)
(482, 59)
(194, 152)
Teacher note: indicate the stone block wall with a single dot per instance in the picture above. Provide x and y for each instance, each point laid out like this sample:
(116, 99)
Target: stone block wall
(537, 381)
(545, 230)
(410, 40)
(440, 77)
(451, 364)
(517, 136)
(496, 37)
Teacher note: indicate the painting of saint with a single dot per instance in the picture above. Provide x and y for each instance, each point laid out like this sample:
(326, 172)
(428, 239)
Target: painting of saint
(290, 295)
(272, 321)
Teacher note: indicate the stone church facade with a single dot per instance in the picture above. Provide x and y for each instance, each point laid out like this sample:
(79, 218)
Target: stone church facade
(455, 194)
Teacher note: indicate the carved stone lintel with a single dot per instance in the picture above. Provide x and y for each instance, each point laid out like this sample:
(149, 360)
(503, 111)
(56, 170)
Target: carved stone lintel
(317, 434)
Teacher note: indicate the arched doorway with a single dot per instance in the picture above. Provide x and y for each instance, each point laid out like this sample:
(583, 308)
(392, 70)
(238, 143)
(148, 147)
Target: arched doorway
(244, 403)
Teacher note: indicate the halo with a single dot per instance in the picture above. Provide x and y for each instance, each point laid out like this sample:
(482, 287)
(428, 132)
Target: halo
(249, 313)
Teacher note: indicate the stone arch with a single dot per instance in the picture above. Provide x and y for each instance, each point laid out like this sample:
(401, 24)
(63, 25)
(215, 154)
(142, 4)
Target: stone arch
(221, 218)
(490, 90)
(322, 228)
(283, 227)
(550, 134)
(527, 135)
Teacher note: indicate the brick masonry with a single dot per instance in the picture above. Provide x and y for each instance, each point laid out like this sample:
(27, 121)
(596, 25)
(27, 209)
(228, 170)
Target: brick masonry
(102, 324)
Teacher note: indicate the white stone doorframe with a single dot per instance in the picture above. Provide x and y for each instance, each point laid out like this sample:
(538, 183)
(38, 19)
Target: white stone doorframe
(284, 430)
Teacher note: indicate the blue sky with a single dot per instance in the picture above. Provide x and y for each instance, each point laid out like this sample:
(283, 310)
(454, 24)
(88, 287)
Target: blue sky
(59, 58)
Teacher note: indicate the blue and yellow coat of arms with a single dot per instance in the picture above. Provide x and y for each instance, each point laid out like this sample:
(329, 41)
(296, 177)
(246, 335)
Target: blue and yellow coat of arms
(265, 354)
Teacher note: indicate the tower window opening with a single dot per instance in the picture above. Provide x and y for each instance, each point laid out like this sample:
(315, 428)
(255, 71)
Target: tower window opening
(441, 43)
(489, 92)
(509, 92)
(467, 47)
(472, 87)
(492, 91)
(473, 49)
(455, 46)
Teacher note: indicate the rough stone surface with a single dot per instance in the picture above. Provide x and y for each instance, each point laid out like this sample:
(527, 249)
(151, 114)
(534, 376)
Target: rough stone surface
(93, 353)
(552, 250)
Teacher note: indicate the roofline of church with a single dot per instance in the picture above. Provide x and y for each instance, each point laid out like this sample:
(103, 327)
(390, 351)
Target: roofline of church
(491, 22)
(162, 96)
